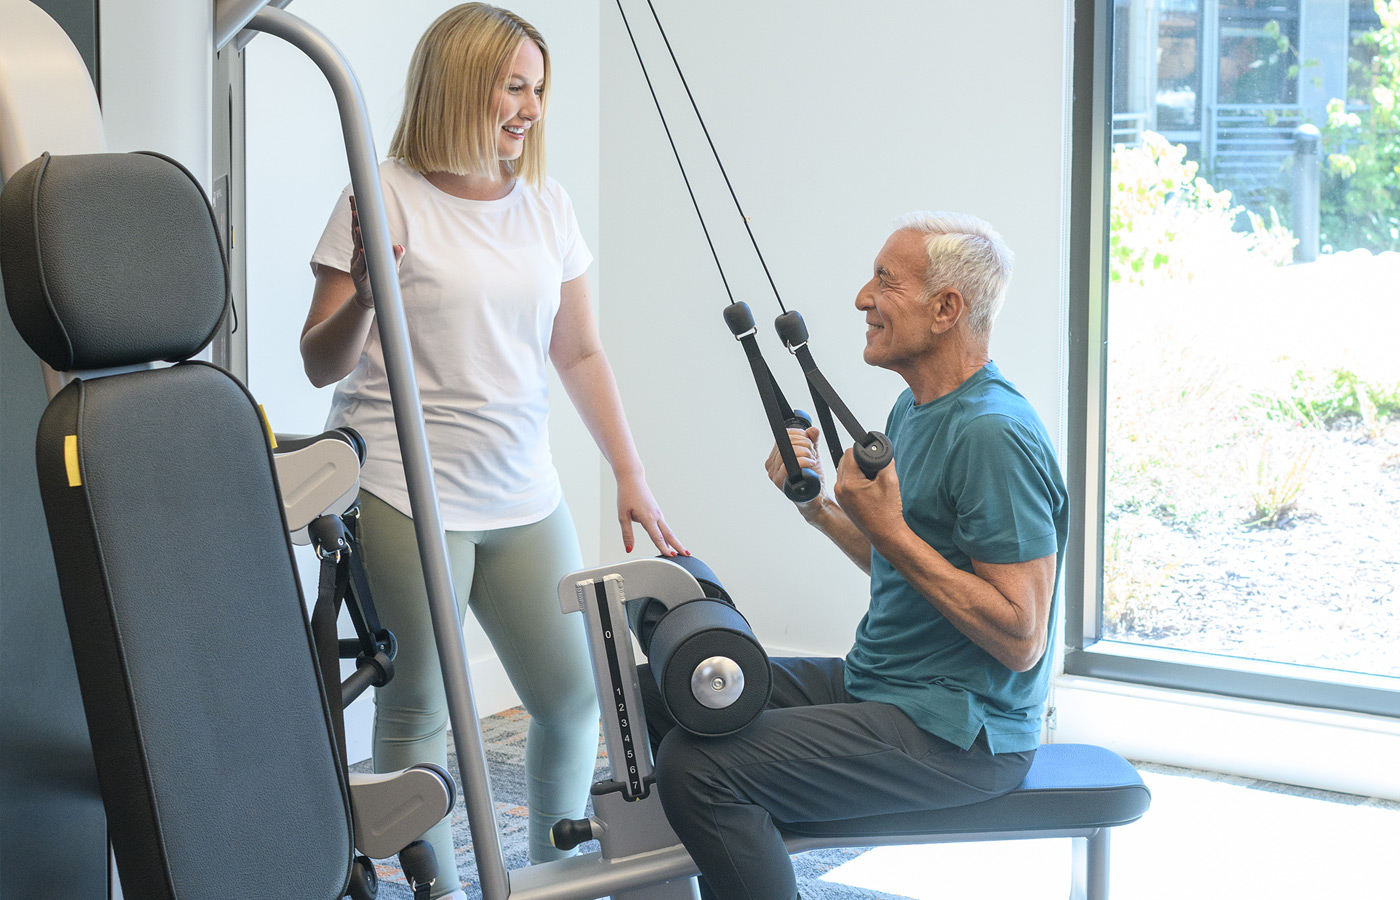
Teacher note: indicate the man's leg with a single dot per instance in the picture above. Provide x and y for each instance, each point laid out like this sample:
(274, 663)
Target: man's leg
(832, 760)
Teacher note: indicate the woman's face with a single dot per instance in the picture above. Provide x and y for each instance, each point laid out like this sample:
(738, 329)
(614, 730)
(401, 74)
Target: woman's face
(517, 100)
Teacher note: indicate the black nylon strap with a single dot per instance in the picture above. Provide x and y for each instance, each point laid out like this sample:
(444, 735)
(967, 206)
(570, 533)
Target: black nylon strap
(833, 440)
(359, 600)
(774, 406)
(335, 576)
(820, 385)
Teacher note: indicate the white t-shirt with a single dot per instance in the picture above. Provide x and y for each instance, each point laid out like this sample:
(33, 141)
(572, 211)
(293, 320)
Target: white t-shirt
(480, 283)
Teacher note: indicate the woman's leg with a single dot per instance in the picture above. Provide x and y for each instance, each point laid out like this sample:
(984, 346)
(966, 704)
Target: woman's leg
(545, 654)
(410, 712)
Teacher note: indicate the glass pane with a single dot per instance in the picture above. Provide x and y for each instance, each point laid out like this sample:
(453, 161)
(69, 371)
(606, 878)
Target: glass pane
(1258, 62)
(1252, 433)
(1178, 55)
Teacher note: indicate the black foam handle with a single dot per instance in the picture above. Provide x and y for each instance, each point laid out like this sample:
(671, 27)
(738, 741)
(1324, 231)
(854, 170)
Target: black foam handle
(791, 328)
(873, 454)
(806, 485)
(738, 317)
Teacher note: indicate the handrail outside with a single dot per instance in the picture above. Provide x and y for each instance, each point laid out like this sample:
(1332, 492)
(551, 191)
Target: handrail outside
(413, 442)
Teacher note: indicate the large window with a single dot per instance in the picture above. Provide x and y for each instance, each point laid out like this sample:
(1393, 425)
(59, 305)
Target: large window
(1235, 415)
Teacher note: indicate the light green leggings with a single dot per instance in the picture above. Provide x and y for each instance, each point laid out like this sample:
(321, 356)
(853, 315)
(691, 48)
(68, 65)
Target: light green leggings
(511, 577)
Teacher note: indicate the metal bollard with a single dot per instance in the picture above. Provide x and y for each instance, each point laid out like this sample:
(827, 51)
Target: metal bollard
(1307, 191)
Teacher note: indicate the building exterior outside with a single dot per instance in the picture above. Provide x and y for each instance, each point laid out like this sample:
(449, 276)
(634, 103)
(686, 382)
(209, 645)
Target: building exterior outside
(1233, 79)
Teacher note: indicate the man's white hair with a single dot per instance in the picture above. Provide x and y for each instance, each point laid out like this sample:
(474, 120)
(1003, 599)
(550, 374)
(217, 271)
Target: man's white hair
(965, 254)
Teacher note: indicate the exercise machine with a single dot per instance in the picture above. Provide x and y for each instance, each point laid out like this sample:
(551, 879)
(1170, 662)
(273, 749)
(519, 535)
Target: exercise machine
(159, 516)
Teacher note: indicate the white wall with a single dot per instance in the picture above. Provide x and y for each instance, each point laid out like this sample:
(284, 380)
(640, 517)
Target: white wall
(157, 80)
(296, 170)
(830, 125)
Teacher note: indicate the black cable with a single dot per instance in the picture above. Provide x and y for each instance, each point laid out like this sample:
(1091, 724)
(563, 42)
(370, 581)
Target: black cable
(675, 62)
(677, 153)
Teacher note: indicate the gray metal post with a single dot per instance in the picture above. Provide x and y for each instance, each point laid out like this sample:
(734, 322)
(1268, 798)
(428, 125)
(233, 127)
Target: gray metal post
(1307, 191)
(413, 441)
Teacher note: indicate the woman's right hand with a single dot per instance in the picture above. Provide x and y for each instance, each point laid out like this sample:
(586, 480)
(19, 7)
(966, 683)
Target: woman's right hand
(359, 270)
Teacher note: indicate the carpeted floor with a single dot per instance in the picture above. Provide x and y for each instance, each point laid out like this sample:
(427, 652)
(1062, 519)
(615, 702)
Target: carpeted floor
(504, 735)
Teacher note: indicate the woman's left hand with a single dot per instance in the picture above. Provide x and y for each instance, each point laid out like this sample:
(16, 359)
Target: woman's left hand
(636, 504)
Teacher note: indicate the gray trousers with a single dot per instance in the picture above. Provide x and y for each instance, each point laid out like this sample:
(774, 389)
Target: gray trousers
(815, 754)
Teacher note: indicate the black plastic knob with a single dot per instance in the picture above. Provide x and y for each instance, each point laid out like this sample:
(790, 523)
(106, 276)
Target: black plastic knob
(569, 833)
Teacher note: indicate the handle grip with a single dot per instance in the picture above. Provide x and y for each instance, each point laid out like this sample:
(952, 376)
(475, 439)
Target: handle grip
(873, 456)
(807, 485)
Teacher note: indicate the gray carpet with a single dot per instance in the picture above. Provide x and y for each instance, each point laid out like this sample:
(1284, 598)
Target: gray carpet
(504, 736)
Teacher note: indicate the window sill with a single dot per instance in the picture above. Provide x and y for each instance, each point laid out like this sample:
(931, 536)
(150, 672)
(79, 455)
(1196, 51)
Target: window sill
(1329, 749)
(1245, 679)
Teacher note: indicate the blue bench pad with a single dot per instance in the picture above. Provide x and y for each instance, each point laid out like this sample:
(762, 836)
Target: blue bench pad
(1069, 786)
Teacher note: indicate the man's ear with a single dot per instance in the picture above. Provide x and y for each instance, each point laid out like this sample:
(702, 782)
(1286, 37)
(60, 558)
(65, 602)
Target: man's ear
(947, 307)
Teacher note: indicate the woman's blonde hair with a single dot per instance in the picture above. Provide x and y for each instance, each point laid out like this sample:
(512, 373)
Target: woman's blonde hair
(449, 114)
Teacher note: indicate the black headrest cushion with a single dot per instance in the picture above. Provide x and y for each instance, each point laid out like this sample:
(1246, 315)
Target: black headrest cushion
(110, 259)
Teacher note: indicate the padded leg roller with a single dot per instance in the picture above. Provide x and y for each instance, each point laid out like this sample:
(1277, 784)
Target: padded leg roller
(709, 667)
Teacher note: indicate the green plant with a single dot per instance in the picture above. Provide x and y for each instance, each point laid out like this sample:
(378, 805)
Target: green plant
(1273, 242)
(1133, 582)
(1277, 488)
(1166, 221)
(1361, 175)
(1319, 400)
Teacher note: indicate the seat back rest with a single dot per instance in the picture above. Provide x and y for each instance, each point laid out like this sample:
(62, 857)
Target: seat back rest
(210, 725)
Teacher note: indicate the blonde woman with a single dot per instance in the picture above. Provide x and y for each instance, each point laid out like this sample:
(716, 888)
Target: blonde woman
(492, 268)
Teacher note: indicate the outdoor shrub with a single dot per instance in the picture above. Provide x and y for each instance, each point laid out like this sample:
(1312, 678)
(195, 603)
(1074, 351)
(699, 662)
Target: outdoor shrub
(1278, 486)
(1166, 221)
(1323, 399)
(1133, 582)
(1361, 175)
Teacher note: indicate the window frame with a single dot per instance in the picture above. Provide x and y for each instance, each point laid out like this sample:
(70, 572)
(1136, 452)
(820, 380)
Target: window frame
(1086, 652)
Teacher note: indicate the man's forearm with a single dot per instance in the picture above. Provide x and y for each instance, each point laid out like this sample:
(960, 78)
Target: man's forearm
(826, 515)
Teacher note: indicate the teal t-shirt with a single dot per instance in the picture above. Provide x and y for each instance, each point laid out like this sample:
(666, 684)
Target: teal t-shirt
(979, 480)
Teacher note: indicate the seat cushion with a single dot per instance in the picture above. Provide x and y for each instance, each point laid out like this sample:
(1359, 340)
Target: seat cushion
(1069, 787)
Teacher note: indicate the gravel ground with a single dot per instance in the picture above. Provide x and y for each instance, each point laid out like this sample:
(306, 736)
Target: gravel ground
(1322, 588)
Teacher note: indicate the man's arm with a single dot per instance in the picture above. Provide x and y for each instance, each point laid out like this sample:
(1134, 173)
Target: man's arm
(1002, 608)
(822, 513)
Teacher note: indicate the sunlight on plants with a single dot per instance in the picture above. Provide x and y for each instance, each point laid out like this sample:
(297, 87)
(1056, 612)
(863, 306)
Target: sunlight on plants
(1278, 485)
(1167, 222)
(1361, 143)
(1132, 582)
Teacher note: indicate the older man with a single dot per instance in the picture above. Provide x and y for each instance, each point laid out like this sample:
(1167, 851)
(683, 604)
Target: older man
(939, 701)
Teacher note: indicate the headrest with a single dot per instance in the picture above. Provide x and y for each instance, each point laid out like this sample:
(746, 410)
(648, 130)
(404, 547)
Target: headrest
(110, 259)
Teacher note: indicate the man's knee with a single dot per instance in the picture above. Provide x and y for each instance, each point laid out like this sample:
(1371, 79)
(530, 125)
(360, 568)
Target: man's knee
(687, 775)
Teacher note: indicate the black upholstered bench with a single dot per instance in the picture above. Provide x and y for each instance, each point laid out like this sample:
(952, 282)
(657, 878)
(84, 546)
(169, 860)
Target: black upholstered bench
(1076, 791)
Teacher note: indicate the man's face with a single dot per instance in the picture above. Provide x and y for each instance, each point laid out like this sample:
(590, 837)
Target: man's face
(898, 323)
